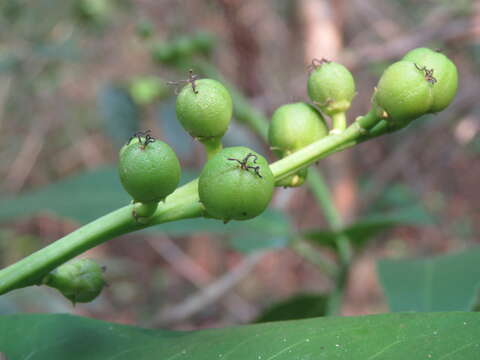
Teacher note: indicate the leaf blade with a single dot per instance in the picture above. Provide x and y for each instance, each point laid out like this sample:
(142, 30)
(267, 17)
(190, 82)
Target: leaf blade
(452, 336)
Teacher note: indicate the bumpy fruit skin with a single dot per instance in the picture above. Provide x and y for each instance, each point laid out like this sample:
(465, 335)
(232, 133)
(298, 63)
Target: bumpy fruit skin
(79, 280)
(331, 86)
(229, 192)
(207, 113)
(148, 172)
(444, 71)
(295, 126)
(404, 93)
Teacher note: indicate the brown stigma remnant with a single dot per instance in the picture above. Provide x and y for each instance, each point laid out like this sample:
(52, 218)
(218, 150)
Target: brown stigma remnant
(191, 79)
(244, 164)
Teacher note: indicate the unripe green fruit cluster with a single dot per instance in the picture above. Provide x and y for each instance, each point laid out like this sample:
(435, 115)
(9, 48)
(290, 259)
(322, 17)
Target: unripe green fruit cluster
(78, 280)
(236, 184)
(331, 87)
(423, 82)
(149, 171)
(293, 127)
(204, 108)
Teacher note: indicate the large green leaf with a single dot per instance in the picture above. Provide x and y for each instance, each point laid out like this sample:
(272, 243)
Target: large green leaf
(440, 283)
(364, 229)
(300, 306)
(445, 336)
(82, 197)
(89, 195)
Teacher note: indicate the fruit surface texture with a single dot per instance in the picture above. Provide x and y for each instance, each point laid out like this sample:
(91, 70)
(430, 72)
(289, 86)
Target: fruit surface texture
(236, 184)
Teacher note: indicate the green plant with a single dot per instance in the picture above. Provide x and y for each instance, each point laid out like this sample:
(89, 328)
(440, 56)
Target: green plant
(237, 184)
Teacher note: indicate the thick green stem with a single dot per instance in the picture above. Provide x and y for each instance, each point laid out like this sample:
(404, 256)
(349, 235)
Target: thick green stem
(212, 146)
(321, 192)
(182, 204)
(339, 123)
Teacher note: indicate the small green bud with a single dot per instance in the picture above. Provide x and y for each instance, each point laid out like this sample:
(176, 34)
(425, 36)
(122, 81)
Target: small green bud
(404, 92)
(330, 86)
(444, 73)
(79, 280)
(204, 108)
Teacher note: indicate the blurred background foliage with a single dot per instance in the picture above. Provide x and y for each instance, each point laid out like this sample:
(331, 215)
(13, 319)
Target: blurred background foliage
(78, 77)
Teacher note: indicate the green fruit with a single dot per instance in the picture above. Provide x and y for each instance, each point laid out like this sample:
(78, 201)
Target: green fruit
(205, 112)
(331, 86)
(184, 46)
(79, 280)
(149, 169)
(204, 42)
(236, 184)
(444, 72)
(145, 90)
(404, 93)
(295, 126)
(164, 53)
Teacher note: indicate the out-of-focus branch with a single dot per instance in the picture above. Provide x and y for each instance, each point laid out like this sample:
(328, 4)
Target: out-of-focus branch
(209, 294)
(189, 269)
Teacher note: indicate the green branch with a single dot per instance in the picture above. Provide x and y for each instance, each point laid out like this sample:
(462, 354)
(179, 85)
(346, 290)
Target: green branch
(181, 204)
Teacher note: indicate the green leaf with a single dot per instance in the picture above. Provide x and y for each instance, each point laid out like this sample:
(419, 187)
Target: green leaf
(446, 336)
(440, 283)
(82, 197)
(270, 230)
(172, 130)
(300, 306)
(119, 112)
(368, 227)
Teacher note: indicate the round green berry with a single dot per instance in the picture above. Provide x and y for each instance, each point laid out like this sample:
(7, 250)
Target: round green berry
(204, 108)
(236, 184)
(404, 92)
(330, 86)
(444, 75)
(149, 169)
(295, 126)
(78, 280)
